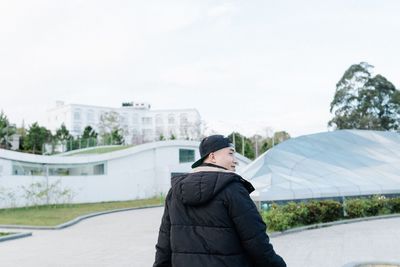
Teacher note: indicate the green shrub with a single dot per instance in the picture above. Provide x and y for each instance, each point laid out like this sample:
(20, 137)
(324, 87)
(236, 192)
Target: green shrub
(314, 212)
(377, 205)
(394, 205)
(278, 220)
(356, 208)
(298, 210)
(331, 210)
(323, 211)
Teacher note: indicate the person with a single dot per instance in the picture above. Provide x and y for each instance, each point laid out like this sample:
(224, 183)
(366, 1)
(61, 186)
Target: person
(209, 218)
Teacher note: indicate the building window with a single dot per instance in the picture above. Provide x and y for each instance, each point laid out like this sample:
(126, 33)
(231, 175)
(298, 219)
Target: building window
(135, 118)
(159, 132)
(90, 116)
(184, 119)
(30, 169)
(171, 119)
(124, 118)
(171, 132)
(186, 155)
(77, 170)
(134, 132)
(77, 114)
(159, 119)
(147, 120)
(35, 169)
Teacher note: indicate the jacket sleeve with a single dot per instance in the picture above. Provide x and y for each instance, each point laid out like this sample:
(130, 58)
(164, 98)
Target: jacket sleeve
(251, 228)
(163, 247)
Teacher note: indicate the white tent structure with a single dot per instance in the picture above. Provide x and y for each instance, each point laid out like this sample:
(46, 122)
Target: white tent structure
(328, 165)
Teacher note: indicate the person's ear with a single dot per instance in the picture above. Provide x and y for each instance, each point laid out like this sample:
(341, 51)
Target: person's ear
(212, 157)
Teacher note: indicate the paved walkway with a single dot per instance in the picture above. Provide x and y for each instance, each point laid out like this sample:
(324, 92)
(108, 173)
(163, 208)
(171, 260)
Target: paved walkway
(128, 239)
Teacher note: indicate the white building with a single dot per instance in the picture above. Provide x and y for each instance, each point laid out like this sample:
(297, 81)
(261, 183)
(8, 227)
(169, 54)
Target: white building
(139, 123)
(138, 172)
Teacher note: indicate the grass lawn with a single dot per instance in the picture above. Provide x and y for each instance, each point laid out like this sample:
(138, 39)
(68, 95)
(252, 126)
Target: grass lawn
(99, 150)
(4, 234)
(50, 215)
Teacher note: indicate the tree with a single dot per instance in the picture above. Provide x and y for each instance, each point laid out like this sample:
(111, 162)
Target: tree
(364, 101)
(89, 132)
(62, 133)
(110, 128)
(280, 136)
(113, 138)
(190, 130)
(21, 131)
(237, 140)
(248, 145)
(36, 137)
(266, 144)
(63, 138)
(270, 142)
(249, 150)
(6, 131)
(262, 143)
(117, 137)
(109, 121)
(89, 137)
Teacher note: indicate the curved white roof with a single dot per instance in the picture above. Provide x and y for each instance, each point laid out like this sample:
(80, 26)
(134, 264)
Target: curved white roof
(93, 158)
(330, 164)
(12, 155)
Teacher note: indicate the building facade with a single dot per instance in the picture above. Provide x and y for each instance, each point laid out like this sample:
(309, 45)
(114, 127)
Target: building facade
(139, 124)
(138, 172)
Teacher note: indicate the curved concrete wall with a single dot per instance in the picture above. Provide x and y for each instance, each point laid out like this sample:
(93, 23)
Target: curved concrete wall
(135, 173)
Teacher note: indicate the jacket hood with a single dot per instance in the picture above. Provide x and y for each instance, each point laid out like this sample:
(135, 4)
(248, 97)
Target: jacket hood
(202, 185)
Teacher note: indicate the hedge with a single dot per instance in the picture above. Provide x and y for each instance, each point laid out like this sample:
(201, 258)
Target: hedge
(292, 214)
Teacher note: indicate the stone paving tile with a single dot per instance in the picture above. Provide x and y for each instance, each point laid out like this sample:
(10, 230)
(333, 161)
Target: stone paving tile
(128, 239)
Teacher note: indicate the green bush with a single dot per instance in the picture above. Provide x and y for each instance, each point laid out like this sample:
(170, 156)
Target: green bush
(298, 211)
(330, 210)
(356, 208)
(321, 211)
(280, 218)
(362, 207)
(394, 205)
(314, 212)
(377, 205)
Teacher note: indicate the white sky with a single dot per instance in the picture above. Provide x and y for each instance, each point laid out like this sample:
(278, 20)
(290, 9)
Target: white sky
(245, 65)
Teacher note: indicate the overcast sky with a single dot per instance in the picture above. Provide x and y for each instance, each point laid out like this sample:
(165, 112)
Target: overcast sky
(245, 65)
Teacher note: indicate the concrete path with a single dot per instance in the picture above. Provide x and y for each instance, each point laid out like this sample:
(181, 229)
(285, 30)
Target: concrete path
(335, 246)
(128, 239)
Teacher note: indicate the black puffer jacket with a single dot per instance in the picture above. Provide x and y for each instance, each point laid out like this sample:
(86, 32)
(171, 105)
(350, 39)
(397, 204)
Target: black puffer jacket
(210, 221)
